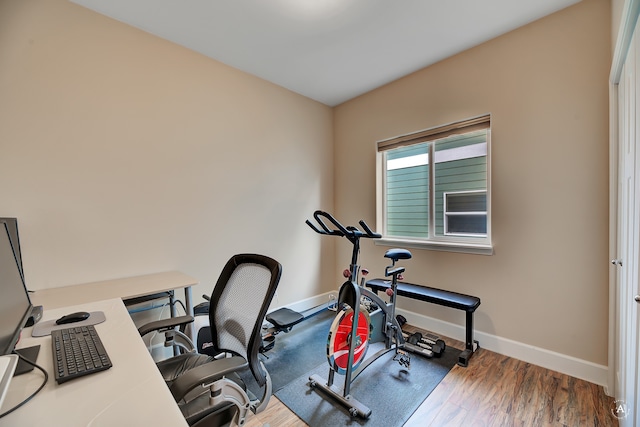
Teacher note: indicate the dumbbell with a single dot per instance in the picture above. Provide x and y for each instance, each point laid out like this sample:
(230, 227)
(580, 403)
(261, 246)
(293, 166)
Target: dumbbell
(438, 348)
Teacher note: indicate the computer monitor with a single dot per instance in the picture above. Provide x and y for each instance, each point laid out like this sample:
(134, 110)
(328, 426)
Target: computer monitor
(15, 305)
(14, 237)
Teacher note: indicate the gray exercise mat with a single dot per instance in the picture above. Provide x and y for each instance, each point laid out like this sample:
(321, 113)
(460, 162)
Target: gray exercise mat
(392, 392)
(42, 329)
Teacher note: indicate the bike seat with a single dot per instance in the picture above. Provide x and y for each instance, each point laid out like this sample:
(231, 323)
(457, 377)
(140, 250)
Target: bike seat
(396, 254)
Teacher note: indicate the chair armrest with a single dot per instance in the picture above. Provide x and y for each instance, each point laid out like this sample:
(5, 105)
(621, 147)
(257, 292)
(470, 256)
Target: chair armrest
(205, 374)
(164, 324)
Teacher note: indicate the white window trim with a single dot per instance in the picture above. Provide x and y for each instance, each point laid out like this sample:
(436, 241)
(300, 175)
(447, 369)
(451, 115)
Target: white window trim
(436, 245)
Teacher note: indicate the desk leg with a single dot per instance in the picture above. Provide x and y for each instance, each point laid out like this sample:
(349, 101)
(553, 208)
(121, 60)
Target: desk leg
(172, 304)
(188, 301)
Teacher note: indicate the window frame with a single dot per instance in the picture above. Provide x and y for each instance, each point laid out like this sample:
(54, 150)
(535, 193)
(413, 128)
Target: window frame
(447, 242)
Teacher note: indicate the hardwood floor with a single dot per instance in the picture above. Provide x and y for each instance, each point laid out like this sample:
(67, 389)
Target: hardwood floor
(494, 390)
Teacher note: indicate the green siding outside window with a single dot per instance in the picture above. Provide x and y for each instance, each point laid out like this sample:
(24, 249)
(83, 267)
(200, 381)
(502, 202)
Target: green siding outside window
(408, 192)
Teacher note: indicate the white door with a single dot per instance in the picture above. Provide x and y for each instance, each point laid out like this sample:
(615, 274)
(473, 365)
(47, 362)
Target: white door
(628, 390)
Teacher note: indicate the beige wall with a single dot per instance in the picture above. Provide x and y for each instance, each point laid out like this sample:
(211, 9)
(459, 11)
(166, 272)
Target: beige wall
(545, 86)
(123, 154)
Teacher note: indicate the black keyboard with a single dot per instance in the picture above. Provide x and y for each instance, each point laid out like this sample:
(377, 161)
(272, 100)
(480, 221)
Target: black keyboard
(77, 352)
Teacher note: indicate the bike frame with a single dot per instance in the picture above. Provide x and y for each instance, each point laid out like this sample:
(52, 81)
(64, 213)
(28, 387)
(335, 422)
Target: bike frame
(350, 294)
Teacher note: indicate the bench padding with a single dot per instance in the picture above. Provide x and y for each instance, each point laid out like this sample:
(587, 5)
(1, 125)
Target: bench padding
(423, 293)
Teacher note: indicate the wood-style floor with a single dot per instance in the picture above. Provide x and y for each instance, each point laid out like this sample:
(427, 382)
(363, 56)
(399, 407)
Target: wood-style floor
(494, 390)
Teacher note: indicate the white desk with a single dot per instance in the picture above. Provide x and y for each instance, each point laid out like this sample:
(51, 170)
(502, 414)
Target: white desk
(131, 393)
(129, 287)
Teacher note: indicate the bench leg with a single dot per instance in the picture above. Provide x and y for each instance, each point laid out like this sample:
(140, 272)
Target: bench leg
(463, 359)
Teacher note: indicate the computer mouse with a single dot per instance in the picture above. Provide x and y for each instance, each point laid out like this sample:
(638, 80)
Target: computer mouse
(73, 317)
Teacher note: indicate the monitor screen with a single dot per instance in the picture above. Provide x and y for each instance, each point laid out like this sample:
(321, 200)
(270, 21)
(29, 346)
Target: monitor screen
(15, 305)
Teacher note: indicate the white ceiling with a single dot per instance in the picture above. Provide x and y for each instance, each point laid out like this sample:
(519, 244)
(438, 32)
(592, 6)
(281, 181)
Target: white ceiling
(327, 50)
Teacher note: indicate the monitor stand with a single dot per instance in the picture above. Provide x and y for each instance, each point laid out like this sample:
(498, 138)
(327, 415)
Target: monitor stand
(29, 353)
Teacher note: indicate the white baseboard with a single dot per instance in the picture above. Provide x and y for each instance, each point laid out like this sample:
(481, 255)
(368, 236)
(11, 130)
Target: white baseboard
(569, 365)
(309, 303)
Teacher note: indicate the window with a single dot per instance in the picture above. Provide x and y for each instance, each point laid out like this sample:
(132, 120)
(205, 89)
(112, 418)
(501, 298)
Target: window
(433, 188)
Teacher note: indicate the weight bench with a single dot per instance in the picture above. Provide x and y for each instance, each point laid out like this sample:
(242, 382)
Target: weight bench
(450, 299)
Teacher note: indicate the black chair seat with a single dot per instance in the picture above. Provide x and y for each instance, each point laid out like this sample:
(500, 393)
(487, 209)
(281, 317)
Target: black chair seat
(173, 367)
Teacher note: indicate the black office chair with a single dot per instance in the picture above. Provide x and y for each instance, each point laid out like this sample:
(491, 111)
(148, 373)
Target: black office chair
(210, 390)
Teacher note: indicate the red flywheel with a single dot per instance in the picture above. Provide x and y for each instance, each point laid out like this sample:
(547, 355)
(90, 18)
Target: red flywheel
(340, 338)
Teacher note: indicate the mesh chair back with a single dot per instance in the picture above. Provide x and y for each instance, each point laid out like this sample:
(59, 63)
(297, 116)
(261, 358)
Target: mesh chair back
(239, 303)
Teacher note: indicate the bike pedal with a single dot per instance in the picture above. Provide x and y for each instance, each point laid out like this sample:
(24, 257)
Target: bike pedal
(403, 358)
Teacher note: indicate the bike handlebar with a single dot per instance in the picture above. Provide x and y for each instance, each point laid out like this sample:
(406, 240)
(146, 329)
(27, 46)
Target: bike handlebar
(340, 230)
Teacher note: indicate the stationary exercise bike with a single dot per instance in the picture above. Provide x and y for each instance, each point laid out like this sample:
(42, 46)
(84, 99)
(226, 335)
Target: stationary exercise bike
(357, 325)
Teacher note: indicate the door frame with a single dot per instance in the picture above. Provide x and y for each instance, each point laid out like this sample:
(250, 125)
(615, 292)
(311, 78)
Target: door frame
(629, 19)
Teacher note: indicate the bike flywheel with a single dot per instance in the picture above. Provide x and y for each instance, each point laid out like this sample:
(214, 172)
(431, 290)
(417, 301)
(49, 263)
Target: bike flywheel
(339, 340)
